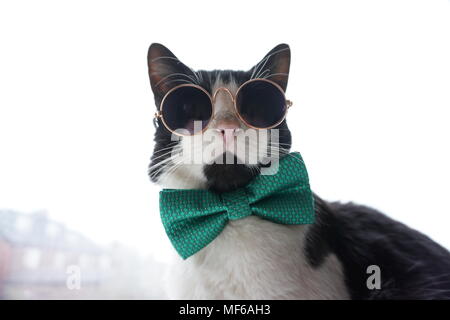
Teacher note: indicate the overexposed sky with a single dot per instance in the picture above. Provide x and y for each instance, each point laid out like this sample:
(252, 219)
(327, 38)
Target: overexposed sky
(370, 81)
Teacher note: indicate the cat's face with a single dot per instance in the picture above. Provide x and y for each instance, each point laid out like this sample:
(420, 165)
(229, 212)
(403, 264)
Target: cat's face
(193, 162)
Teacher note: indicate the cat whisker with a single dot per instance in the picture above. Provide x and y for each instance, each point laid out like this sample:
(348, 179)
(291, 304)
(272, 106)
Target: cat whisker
(164, 167)
(164, 161)
(265, 61)
(174, 167)
(193, 80)
(169, 146)
(168, 154)
(276, 74)
(262, 74)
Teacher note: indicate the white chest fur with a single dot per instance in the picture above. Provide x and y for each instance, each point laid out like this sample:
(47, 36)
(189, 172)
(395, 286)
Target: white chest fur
(255, 259)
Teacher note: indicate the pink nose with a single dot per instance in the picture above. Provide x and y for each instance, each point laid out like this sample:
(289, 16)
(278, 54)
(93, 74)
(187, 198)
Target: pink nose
(228, 130)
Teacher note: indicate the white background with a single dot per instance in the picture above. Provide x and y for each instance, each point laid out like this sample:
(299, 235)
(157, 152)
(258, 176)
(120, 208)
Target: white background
(370, 81)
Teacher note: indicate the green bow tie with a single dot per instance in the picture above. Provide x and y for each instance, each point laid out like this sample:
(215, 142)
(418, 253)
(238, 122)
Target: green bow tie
(194, 218)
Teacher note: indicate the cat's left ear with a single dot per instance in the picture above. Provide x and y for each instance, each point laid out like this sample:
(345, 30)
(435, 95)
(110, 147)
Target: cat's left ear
(274, 66)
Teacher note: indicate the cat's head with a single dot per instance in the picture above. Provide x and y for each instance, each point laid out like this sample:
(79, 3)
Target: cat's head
(190, 162)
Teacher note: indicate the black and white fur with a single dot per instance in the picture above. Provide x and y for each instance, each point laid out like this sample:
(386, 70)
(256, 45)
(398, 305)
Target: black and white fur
(257, 259)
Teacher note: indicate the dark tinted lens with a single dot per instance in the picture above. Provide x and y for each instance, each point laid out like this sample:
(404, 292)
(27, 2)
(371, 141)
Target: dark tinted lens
(261, 104)
(185, 105)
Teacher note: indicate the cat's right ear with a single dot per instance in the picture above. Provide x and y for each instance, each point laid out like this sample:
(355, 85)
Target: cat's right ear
(165, 71)
(274, 66)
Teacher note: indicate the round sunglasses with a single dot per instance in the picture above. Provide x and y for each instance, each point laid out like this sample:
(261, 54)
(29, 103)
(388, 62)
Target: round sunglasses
(259, 103)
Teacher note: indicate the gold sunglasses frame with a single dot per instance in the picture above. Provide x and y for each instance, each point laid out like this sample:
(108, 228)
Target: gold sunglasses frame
(159, 114)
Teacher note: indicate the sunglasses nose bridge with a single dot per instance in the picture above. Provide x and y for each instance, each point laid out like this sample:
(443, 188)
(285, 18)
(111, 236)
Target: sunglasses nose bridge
(227, 109)
(223, 89)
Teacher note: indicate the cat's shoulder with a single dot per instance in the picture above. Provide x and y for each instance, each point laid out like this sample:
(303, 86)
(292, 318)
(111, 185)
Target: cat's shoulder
(411, 264)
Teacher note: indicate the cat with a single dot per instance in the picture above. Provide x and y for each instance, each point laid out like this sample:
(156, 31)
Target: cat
(257, 259)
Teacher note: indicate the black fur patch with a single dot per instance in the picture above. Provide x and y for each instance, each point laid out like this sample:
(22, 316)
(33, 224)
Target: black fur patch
(412, 265)
(226, 177)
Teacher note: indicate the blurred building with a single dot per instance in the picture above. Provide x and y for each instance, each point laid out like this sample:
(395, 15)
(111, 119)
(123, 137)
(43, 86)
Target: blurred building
(38, 257)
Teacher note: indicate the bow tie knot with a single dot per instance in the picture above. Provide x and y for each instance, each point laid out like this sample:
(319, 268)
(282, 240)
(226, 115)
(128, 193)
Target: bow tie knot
(236, 204)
